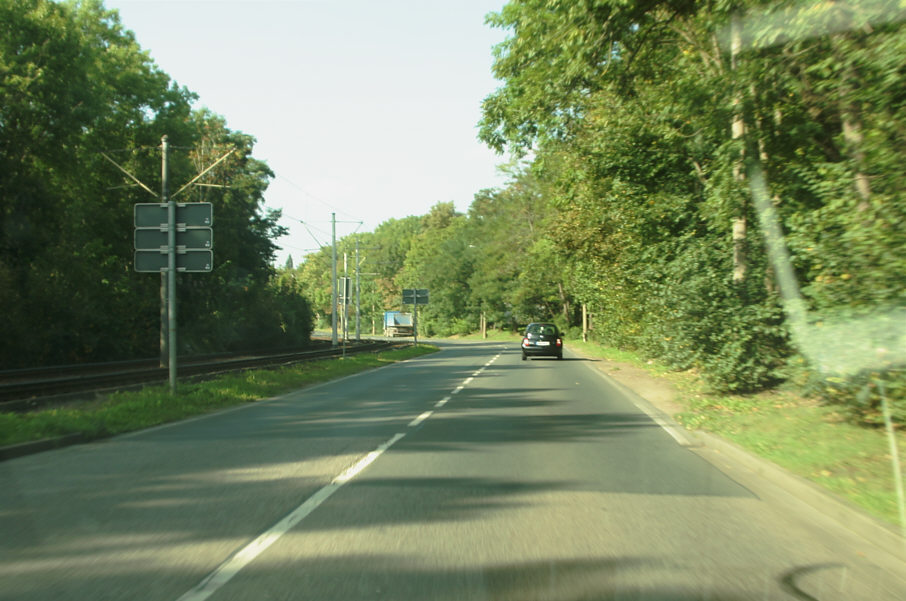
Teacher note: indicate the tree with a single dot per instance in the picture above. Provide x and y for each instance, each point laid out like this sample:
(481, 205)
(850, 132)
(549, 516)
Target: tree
(638, 113)
(73, 82)
(439, 261)
(76, 88)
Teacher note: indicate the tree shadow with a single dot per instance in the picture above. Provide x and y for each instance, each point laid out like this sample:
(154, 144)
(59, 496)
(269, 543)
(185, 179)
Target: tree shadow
(167, 489)
(367, 577)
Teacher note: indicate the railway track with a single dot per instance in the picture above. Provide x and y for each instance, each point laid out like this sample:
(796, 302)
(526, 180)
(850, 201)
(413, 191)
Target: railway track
(28, 389)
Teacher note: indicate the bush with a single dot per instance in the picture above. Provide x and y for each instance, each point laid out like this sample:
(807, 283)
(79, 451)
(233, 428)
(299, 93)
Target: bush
(861, 395)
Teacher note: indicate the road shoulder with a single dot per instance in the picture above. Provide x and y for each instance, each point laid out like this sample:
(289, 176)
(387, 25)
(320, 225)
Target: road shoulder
(776, 482)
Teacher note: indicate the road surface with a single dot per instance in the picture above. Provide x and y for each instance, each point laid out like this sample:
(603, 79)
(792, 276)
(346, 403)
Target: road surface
(466, 474)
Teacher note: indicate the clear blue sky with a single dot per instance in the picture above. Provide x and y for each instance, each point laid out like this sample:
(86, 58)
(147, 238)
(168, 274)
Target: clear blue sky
(363, 108)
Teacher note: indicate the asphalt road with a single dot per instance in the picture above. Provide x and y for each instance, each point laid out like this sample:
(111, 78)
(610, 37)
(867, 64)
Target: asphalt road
(467, 474)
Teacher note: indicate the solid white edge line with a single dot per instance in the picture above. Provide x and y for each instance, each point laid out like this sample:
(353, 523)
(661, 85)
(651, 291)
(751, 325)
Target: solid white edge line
(229, 568)
(643, 406)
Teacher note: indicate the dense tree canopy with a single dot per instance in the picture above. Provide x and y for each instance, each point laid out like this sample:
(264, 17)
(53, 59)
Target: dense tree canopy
(646, 132)
(646, 118)
(75, 88)
(648, 127)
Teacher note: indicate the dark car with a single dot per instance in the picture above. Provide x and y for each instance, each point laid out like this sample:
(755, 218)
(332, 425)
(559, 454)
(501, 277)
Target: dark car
(542, 340)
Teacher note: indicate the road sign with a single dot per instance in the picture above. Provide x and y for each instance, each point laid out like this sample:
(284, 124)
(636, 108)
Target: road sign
(345, 286)
(188, 214)
(201, 238)
(189, 261)
(194, 237)
(415, 296)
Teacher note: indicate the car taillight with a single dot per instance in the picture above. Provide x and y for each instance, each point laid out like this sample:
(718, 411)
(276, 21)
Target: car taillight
(559, 342)
(525, 342)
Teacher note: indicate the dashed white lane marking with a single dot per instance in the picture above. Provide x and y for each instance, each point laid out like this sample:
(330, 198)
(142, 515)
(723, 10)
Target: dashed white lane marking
(225, 572)
(229, 568)
(420, 419)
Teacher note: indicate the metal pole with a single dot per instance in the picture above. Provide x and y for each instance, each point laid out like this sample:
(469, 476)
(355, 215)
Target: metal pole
(345, 299)
(333, 278)
(415, 321)
(358, 307)
(171, 265)
(164, 347)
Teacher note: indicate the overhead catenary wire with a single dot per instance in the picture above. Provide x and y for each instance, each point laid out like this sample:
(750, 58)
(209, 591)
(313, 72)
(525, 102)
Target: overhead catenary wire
(308, 229)
(310, 195)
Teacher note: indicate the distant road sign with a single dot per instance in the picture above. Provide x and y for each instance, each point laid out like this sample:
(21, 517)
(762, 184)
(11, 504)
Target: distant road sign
(190, 239)
(190, 261)
(189, 214)
(345, 287)
(415, 296)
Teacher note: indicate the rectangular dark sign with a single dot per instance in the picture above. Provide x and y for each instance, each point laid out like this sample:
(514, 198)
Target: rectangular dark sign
(190, 261)
(154, 239)
(190, 214)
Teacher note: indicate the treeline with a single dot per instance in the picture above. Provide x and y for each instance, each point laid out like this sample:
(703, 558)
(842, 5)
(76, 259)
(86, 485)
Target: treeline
(648, 128)
(496, 260)
(75, 90)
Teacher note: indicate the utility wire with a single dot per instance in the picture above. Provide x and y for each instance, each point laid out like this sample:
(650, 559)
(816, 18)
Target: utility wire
(310, 233)
(310, 195)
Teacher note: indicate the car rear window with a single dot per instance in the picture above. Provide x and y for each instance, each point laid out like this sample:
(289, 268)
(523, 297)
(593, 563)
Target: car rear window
(542, 329)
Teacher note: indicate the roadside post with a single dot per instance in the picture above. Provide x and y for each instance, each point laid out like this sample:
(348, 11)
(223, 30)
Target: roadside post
(344, 287)
(172, 237)
(415, 297)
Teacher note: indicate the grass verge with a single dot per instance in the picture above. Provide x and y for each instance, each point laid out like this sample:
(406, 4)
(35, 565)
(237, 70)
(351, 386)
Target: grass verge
(151, 406)
(809, 439)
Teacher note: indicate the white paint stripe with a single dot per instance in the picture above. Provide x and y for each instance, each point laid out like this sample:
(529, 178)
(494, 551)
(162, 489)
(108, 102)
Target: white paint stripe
(259, 403)
(420, 419)
(671, 430)
(229, 568)
(643, 406)
(365, 461)
(225, 572)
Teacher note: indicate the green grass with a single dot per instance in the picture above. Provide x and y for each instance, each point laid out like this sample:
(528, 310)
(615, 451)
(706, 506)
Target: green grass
(595, 349)
(807, 438)
(133, 410)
